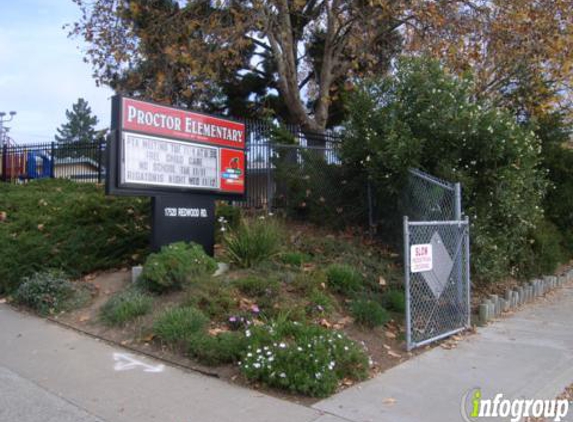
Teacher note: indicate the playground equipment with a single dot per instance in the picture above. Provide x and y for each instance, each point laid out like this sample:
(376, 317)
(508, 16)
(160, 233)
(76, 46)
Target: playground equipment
(19, 163)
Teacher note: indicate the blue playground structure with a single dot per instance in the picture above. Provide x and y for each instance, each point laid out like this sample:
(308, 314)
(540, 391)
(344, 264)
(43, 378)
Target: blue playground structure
(38, 165)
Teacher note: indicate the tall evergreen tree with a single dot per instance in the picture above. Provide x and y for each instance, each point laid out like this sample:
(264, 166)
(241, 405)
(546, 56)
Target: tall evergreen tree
(80, 127)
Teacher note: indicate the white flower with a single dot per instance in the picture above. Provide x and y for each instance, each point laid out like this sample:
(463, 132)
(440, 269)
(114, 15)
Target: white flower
(282, 346)
(256, 365)
(248, 333)
(249, 355)
(282, 375)
(318, 375)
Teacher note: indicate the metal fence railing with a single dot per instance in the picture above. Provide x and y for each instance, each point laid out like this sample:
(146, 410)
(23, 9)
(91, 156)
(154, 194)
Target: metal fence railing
(278, 174)
(81, 161)
(436, 260)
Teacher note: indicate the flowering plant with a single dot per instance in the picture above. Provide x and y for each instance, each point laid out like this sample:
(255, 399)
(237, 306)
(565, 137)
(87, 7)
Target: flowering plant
(302, 358)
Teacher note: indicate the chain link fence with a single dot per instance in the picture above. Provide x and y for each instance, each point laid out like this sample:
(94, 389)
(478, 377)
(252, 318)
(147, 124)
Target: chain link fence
(436, 260)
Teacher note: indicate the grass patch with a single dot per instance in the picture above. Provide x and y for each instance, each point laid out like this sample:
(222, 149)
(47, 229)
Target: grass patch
(253, 242)
(296, 259)
(125, 307)
(176, 326)
(257, 286)
(67, 225)
(223, 348)
(395, 301)
(369, 313)
(344, 279)
(213, 297)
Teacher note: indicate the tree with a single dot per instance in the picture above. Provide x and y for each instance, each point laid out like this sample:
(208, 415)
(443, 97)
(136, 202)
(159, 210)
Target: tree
(424, 117)
(287, 58)
(519, 51)
(78, 133)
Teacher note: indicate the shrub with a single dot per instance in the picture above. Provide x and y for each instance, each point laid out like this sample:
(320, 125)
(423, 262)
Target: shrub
(73, 226)
(212, 296)
(369, 313)
(174, 265)
(178, 325)
(253, 242)
(223, 348)
(546, 250)
(302, 358)
(125, 307)
(295, 259)
(344, 279)
(45, 292)
(421, 116)
(395, 301)
(257, 287)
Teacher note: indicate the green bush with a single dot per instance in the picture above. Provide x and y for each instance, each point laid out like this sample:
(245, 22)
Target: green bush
(302, 358)
(68, 225)
(175, 264)
(223, 348)
(555, 134)
(257, 287)
(46, 292)
(125, 307)
(296, 259)
(369, 313)
(177, 326)
(344, 279)
(421, 116)
(253, 242)
(212, 296)
(546, 250)
(395, 301)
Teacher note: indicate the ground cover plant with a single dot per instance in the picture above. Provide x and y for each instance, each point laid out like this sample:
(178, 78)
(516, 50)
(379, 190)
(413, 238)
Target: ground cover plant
(125, 307)
(50, 292)
(67, 225)
(302, 358)
(174, 265)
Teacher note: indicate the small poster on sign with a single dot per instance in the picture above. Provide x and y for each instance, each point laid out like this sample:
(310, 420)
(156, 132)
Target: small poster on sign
(421, 258)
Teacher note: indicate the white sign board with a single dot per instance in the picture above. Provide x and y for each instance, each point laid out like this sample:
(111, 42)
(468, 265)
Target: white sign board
(421, 259)
(148, 160)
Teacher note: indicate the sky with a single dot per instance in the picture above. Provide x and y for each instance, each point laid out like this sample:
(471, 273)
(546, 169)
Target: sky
(42, 72)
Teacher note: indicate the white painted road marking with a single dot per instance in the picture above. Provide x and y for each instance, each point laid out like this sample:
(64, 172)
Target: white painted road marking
(125, 362)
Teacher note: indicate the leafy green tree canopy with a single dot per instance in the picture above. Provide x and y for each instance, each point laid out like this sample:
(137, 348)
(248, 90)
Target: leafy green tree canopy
(424, 117)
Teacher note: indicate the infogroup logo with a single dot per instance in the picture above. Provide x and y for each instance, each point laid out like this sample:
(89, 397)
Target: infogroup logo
(475, 407)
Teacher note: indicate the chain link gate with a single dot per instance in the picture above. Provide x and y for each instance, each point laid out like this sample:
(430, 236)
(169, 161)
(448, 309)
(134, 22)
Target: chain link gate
(436, 261)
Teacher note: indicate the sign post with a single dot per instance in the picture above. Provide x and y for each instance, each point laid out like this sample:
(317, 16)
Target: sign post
(184, 160)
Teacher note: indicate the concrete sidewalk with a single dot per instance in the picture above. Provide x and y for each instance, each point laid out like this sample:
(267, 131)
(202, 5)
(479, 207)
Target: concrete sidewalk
(49, 370)
(46, 371)
(528, 355)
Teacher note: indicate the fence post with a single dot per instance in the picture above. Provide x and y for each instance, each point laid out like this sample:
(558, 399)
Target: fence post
(270, 192)
(4, 163)
(458, 202)
(467, 265)
(99, 157)
(407, 283)
(53, 157)
(458, 218)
